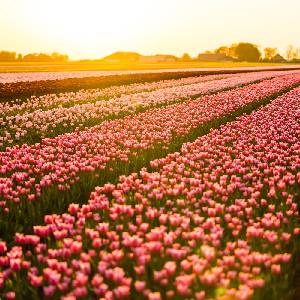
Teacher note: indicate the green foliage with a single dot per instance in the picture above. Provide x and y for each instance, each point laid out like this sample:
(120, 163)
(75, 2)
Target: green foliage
(247, 52)
(7, 56)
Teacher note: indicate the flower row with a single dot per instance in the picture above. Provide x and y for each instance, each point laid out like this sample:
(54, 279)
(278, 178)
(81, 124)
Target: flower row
(38, 76)
(32, 177)
(42, 86)
(49, 101)
(217, 220)
(31, 127)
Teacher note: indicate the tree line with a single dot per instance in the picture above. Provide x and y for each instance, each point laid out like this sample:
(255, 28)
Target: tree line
(7, 56)
(238, 51)
(252, 53)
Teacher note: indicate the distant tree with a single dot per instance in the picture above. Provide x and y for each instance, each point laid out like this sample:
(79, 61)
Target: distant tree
(35, 57)
(228, 51)
(232, 49)
(7, 56)
(291, 52)
(247, 52)
(298, 53)
(57, 57)
(186, 57)
(270, 52)
(223, 50)
(20, 57)
(295, 55)
(42, 57)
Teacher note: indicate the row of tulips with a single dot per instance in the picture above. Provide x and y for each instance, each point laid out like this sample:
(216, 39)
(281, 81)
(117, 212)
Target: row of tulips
(218, 220)
(38, 76)
(31, 127)
(22, 90)
(49, 101)
(39, 178)
(46, 102)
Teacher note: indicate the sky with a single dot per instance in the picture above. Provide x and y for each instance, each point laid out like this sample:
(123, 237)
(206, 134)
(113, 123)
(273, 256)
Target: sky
(95, 28)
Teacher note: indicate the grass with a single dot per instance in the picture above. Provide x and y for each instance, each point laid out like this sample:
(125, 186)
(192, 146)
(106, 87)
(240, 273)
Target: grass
(19, 67)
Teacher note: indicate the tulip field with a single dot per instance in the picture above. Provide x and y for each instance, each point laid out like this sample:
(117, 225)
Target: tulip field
(170, 188)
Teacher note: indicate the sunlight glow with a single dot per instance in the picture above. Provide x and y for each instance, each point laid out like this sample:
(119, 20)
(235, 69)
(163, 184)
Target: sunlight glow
(94, 28)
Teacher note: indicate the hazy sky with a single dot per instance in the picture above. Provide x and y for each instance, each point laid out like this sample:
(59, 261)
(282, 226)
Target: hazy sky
(94, 28)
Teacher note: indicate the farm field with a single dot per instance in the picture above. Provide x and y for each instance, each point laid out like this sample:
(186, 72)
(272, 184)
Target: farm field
(171, 184)
(22, 67)
(23, 85)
